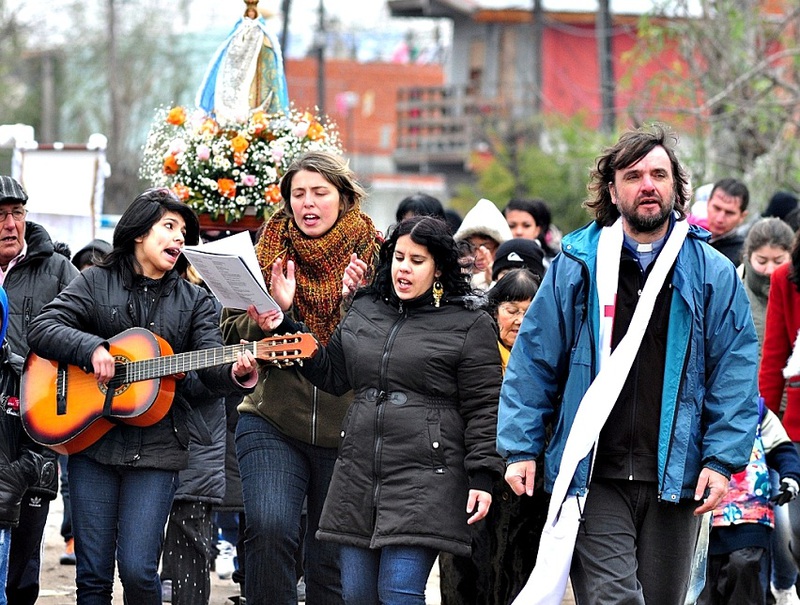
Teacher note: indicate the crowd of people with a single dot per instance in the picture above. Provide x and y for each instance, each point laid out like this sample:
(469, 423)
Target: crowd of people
(616, 408)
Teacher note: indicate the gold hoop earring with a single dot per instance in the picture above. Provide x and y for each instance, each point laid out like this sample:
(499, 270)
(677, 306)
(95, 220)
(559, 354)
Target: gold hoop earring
(438, 291)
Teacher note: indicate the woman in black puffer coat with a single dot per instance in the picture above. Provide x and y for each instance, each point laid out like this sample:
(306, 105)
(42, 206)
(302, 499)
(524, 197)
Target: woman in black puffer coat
(417, 453)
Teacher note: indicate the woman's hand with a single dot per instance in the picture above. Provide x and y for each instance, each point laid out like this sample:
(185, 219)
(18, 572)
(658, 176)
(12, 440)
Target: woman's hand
(283, 286)
(478, 499)
(104, 365)
(245, 363)
(488, 262)
(268, 320)
(353, 276)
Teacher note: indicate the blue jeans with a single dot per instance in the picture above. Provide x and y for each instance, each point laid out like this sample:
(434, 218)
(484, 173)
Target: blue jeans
(278, 473)
(5, 549)
(784, 571)
(392, 575)
(118, 513)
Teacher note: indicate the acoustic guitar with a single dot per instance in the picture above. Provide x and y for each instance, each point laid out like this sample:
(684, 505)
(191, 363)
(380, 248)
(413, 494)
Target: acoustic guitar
(64, 408)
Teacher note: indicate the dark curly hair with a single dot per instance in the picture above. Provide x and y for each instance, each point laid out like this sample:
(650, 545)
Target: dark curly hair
(435, 235)
(632, 147)
(137, 220)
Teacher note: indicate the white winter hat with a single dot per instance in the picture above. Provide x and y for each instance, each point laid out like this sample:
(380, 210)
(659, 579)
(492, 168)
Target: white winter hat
(485, 219)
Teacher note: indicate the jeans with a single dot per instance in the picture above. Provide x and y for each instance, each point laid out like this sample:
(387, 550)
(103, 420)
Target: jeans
(66, 518)
(278, 473)
(784, 571)
(118, 513)
(5, 549)
(392, 575)
(631, 548)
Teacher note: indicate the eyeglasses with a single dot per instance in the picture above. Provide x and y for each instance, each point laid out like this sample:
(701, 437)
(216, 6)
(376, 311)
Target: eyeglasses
(18, 214)
(511, 309)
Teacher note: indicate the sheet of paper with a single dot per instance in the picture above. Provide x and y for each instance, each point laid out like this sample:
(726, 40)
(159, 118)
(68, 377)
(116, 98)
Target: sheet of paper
(229, 276)
(238, 244)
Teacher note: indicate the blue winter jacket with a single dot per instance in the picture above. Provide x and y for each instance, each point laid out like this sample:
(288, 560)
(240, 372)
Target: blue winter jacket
(710, 394)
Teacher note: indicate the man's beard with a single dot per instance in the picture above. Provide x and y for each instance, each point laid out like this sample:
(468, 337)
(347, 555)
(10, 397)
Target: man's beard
(650, 223)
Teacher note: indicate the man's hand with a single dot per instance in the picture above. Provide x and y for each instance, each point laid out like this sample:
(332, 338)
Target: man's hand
(715, 484)
(520, 476)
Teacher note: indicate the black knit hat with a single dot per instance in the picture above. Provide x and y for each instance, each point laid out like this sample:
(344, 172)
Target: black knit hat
(518, 253)
(781, 204)
(11, 191)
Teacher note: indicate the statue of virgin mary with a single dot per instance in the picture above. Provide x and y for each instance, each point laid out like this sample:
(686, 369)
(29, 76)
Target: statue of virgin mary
(245, 73)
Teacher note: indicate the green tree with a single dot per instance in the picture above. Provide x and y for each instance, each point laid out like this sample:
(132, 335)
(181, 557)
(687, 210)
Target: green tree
(545, 158)
(735, 88)
(129, 61)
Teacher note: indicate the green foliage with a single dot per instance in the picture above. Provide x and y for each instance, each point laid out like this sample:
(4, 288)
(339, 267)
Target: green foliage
(555, 170)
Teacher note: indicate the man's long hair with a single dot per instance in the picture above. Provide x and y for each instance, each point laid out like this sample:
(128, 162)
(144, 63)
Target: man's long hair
(632, 147)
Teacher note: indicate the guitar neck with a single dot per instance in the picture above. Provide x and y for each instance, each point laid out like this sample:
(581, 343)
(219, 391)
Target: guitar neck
(181, 363)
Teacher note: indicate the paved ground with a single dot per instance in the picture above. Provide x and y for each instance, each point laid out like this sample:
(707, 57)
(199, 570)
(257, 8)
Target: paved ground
(58, 581)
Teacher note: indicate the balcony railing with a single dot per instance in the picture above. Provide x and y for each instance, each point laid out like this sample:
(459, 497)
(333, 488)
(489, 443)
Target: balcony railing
(439, 126)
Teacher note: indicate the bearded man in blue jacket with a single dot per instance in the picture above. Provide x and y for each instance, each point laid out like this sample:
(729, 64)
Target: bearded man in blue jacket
(685, 418)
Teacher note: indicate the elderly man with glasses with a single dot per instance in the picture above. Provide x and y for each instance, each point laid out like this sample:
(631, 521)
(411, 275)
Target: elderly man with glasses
(32, 274)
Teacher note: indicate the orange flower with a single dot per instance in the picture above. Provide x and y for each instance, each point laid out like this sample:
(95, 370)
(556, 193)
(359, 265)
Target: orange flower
(238, 159)
(239, 144)
(209, 126)
(182, 191)
(273, 194)
(170, 165)
(176, 116)
(227, 188)
(316, 131)
(259, 119)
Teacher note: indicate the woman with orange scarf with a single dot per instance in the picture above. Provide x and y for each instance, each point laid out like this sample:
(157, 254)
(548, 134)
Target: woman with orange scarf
(288, 430)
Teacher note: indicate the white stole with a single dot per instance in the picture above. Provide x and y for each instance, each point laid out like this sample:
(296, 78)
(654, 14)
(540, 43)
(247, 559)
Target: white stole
(548, 581)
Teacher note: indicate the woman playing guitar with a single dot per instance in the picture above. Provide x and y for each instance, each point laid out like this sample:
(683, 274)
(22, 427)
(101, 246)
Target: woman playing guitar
(122, 486)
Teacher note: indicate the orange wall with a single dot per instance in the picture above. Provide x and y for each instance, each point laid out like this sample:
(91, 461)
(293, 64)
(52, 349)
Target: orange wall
(371, 129)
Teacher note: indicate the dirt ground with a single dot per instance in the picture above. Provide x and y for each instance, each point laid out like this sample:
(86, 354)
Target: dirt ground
(58, 581)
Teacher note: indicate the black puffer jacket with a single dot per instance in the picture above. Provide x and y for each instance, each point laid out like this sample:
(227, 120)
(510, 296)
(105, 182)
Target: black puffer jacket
(204, 479)
(421, 430)
(22, 462)
(31, 284)
(103, 302)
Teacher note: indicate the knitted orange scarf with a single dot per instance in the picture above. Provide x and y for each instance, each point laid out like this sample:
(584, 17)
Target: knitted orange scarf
(319, 263)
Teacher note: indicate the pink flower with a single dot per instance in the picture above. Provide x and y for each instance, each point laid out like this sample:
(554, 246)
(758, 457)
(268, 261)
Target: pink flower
(248, 180)
(177, 146)
(203, 152)
(300, 129)
(277, 155)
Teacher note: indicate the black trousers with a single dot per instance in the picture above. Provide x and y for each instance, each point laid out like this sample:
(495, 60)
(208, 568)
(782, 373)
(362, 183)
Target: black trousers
(736, 578)
(24, 560)
(189, 552)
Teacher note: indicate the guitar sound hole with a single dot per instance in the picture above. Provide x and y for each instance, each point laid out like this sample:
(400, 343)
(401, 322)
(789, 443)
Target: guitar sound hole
(118, 382)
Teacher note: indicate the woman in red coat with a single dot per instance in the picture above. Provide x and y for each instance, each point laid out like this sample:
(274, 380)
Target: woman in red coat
(780, 338)
(780, 341)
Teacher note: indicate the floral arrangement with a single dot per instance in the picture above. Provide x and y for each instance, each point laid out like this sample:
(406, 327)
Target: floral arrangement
(221, 168)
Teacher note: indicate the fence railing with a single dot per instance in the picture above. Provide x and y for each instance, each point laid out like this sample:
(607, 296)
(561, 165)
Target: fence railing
(440, 125)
